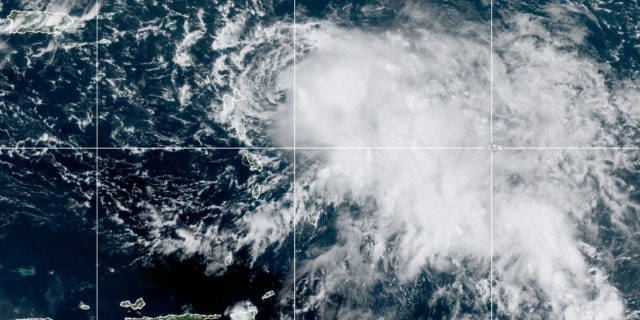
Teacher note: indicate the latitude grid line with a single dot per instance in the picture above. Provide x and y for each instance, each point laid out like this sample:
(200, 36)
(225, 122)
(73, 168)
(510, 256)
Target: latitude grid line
(316, 148)
(294, 149)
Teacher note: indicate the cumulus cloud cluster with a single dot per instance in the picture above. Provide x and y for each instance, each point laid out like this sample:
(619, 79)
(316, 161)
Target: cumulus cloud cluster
(391, 90)
(416, 209)
(548, 93)
(431, 211)
(546, 207)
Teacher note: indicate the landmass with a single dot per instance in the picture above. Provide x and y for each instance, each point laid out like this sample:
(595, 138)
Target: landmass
(187, 316)
(268, 295)
(312, 219)
(39, 21)
(139, 304)
(26, 272)
(255, 191)
(241, 131)
(254, 162)
(237, 96)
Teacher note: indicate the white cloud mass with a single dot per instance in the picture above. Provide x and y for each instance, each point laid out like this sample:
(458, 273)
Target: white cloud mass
(391, 89)
(426, 212)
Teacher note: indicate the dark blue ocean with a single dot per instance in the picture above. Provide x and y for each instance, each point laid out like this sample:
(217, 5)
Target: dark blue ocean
(146, 188)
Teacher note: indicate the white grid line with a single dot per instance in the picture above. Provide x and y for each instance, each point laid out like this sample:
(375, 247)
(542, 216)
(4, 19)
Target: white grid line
(571, 148)
(318, 148)
(97, 149)
(295, 210)
(491, 161)
(244, 148)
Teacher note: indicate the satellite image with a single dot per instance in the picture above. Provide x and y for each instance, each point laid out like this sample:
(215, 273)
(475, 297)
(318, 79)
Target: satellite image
(319, 159)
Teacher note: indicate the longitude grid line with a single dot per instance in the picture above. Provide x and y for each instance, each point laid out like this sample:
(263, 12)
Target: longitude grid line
(97, 148)
(294, 161)
(491, 161)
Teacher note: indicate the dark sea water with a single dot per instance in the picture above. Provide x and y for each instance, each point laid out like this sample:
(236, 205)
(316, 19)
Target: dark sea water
(169, 217)
(48, 225)
(195, 190)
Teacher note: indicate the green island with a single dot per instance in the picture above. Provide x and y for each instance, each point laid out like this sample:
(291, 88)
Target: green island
(139, 304)
(26, 272)
(39, 21)
(254, 162)
(255, 191)
(187, 316)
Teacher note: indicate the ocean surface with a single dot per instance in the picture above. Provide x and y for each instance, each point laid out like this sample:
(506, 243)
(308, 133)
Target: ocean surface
(417, 160)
